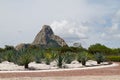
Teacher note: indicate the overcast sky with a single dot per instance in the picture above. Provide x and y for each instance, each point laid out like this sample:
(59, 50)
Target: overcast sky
(84, 21)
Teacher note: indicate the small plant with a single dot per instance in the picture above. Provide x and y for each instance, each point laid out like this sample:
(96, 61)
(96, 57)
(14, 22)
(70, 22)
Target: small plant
(48, 59)
(82, 57)
(99, 58)
(60, 59)
(9, 55)
(25, 59)
(69, 57)
(39, 56)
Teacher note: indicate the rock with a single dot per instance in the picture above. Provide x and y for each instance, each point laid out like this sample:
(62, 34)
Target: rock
(72, 65)
(74, 62)
(91, 63)
(22, 46)
(47, 38)
(9, 66)
(36, 66)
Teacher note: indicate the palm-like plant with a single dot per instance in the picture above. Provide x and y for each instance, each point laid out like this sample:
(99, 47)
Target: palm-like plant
(48, 58)
(69, 57)
(60, 59)
(82, 57)
(99, 58)
(39, 56)
(25, 58)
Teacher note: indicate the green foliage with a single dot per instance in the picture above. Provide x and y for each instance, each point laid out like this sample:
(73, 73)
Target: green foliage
(113, 58)
(82, 57)
(1, 49)
(8, 55)
(7, 47)
(48, 58)
(25, 59)
(99, 58)
(69, 57)
(99, 48)
(71, 49)
(60, 59)
(39, 56)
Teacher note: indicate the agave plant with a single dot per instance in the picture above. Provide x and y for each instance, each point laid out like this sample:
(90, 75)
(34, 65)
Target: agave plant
(69, 57)
(82, 57)
(99, 58)
(39, 56)
(9, 55)
(48, 58)
(60, 59)
(25, 59)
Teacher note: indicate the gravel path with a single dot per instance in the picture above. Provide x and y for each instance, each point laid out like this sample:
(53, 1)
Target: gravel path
(110, 71)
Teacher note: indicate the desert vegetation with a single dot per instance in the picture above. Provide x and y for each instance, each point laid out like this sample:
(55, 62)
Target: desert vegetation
(61, 55)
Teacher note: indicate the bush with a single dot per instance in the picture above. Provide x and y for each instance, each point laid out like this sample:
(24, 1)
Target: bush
(113, 58)
(69, 57)
(48, 58)
(8, 55)
(60, 59)
(82, 57)
(25, 59)
(39, 56)
(99, 57)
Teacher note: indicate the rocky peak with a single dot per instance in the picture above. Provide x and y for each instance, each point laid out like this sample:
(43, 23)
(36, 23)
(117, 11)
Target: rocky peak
(47, 30)
(47, 38)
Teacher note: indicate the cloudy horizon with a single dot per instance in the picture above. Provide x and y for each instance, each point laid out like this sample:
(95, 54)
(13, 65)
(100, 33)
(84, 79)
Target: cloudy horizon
(83, 21)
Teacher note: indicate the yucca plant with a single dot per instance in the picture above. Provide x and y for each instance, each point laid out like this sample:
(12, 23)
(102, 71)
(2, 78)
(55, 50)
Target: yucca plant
(48, 58)
(60, 59)
(39, 56)
(82, 57)
(25, 58)
(9, 55)
(69, 57)
(99, 57)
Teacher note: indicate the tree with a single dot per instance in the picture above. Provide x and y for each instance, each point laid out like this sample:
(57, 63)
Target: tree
(99, 48)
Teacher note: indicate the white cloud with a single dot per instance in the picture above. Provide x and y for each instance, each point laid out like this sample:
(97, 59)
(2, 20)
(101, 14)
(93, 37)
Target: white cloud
(113, 32)
(70, 31)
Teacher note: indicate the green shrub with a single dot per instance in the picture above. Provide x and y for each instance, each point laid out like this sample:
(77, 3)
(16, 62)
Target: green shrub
(82, 57)
(113, 58)
(25, 59)
(69, 57)
(60, 59)
(39, 56)
(99, 57)
(8, 55)
(48, 58)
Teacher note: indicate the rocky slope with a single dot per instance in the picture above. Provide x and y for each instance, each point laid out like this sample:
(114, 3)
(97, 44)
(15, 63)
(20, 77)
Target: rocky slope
(46, 39)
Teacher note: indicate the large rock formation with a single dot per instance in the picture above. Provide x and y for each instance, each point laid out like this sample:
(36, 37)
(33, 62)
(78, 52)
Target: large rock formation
(47, 38)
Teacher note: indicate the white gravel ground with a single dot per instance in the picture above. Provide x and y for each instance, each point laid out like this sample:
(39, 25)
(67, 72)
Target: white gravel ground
(7, 67)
